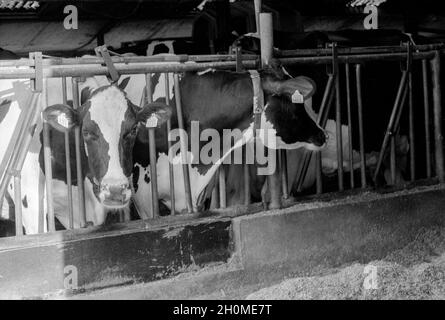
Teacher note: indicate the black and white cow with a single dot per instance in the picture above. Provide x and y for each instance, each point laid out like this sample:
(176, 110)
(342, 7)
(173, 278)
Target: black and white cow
(109, 123)
(223, 100)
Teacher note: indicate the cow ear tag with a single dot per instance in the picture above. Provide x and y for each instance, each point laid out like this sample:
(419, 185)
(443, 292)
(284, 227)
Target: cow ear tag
(152, 121)
(60, 117)
(297, 97)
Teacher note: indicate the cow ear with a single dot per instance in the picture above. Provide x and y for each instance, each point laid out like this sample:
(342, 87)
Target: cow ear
(61, 117)
(154, 114)
(123, 84)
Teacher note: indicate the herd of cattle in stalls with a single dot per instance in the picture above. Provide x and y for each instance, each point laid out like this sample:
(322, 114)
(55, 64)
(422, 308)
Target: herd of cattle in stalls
(115, 156)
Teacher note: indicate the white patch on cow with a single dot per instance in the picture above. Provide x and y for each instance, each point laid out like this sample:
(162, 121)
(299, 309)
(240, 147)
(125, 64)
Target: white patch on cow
(108, 109)
(198, 181)
(95, 211)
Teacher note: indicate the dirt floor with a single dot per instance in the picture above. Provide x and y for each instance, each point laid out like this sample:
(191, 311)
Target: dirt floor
(417, 271)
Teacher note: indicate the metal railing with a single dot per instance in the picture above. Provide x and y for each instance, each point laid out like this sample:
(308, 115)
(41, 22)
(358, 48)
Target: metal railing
(351, 58)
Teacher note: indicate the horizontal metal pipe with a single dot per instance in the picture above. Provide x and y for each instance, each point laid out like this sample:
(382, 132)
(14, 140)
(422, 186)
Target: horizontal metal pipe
(355, 58)
(88, 70)
(96, 70)
(356, 50)
(54, 61)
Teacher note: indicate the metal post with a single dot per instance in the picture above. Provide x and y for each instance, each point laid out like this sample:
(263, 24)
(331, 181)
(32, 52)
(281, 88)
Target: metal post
(339, 135)
(79, 171)
(437, 100)
(68, 164)
(392, 125)
(412, 143)
(18, 205)
(266, 38)
(257, 5)
(283, 168)
(393, 160)
(351, 152)
(426, 107)
(222, 188)
(358, 75)
(183, 144)
(169, 144)
(152, 152)
(48, 165)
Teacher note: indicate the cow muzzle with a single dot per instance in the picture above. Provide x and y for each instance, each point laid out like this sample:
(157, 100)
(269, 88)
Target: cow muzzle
(115, 196)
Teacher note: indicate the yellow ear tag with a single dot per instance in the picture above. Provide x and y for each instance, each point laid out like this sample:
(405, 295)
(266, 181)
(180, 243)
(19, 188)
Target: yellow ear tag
(297, 97)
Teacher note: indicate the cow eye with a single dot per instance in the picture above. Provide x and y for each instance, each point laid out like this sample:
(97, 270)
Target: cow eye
(132, 132)
(88, 135)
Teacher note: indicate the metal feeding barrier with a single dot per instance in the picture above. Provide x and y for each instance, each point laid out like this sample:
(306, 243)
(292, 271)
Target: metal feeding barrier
(73, 69)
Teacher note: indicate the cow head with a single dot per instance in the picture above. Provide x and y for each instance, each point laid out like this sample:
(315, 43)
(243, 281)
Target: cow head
(109, 123)
(285, 113)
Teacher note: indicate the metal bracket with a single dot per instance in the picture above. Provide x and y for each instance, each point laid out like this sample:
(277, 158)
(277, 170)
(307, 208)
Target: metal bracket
(103, 52)
(409, 57)
(258, 95)
(332, 69)
(37, 82)
(239, 59)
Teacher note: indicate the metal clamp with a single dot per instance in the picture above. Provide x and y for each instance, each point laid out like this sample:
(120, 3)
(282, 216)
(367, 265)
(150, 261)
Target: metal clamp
(37, 82)
(409, 57)
(103, 52)
(258, 95)
(332, 70)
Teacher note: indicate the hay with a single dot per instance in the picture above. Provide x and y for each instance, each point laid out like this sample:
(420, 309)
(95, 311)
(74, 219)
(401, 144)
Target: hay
(417, 271)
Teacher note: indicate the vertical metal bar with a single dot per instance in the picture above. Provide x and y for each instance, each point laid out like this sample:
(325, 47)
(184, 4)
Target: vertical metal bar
(215, 191)
(318, 169)
(48, 165)
(18, 204)
(183, 144)
(169, 144)
(79, 171)
(339, 134)
(358, 76)
(222, 188)
(153, 172)
(392, 121)
(257, 5)
(283, 166)
(412, 149)
(152, 153)
(348, 102)
(322, 118)
(266, 42)
(393, 160)
(68, 164)
(148, 88)
(426, 107)
(437, 100)
(246, 173)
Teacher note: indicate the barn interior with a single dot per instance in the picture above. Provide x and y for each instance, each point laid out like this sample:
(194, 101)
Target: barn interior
(232, 251)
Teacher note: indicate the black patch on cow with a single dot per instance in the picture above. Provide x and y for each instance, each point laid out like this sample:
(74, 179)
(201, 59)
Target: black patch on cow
(4, 108)
(135, 178)
(146, 178)
(128, 132)
(291, 121)
(25, 202)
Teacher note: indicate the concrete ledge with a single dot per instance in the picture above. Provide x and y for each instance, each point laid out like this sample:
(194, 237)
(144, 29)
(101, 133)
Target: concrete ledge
(361, 228)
